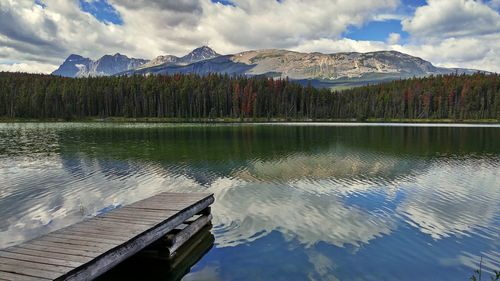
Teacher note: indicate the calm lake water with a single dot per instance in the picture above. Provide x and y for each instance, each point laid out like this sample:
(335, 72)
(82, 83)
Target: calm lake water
(293, 202)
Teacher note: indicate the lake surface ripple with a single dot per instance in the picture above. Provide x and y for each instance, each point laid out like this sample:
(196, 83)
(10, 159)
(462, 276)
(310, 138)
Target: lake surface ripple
(293, 202)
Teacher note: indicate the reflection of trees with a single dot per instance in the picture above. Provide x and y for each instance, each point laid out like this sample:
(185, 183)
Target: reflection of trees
(420, 141)
(247, 142)
(205, 153)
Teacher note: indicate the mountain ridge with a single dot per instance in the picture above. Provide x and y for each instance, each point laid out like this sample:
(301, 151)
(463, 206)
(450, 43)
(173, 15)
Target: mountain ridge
(329, 69)
(79, 66)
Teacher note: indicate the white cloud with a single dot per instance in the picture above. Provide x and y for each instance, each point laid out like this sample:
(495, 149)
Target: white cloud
(453, 18)
(447, 32)
(394, 38)
(340, 45)
(456, 33)
(30, 66)
(479, 52)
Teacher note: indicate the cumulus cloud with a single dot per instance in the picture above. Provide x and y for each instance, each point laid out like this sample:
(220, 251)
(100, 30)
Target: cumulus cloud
(394, 38)
(453, 18)
(456, 33)
(42, 36)
(30, 66)
(340, 45)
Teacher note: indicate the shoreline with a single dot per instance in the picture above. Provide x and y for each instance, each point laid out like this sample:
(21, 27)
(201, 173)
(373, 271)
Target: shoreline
(250, 121)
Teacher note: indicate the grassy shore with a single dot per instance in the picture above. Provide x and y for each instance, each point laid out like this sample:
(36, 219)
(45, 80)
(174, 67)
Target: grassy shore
(245, 120)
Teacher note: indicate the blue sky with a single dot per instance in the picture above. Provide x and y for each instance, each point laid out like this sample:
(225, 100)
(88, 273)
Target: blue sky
(37, 35)
(102, 11)
(376, 31)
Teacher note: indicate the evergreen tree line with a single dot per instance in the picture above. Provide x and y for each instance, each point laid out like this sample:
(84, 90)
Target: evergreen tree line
(221, 96)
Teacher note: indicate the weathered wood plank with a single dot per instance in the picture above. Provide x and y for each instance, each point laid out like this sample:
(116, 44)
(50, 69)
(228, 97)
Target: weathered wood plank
(70, 241)
(96, 233)
(19, 277)
(58, 250)
(43, 260)
(154, 208)
(95, 223)
(158, 212)
(44, 254)
(103, 231)
(200, 242)
(96, 250)
(134, 214)
(35, 265)
(121, 221)
(86, 238)
(173, 199)
(165, 214)
(180, 238)
(179, 203)
(42, 274)
(119, 216)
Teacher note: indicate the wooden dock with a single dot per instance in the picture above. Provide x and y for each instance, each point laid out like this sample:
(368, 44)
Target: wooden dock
(88, 249)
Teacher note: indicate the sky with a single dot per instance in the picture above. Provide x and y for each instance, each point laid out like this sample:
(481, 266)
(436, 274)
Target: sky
(37, 35)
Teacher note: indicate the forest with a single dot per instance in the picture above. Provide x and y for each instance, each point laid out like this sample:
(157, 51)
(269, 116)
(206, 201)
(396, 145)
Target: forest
(215, 96)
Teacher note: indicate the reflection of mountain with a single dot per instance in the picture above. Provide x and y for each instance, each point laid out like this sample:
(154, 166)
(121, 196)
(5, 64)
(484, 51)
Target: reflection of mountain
(335, 164)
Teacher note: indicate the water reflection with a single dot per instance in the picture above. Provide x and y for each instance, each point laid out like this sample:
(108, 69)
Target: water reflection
(322, 198)
(154, 266)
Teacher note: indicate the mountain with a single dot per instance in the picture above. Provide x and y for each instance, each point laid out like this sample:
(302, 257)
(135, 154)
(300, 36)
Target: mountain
(198, 54)
(160, 60)
(322, 70)
(109, 65)
(73, 66)
(78, 66)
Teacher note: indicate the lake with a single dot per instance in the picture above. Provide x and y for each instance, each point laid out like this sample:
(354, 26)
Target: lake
(293, 202)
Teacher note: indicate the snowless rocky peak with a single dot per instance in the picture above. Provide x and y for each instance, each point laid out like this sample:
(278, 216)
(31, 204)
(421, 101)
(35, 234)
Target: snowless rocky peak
(161, 60)
(200, 54)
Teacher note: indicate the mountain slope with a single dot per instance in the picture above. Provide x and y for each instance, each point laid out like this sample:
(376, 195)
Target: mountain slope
(78, 66)
(73, 66)
(109, 65)
(323, 69)
(198, 54)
